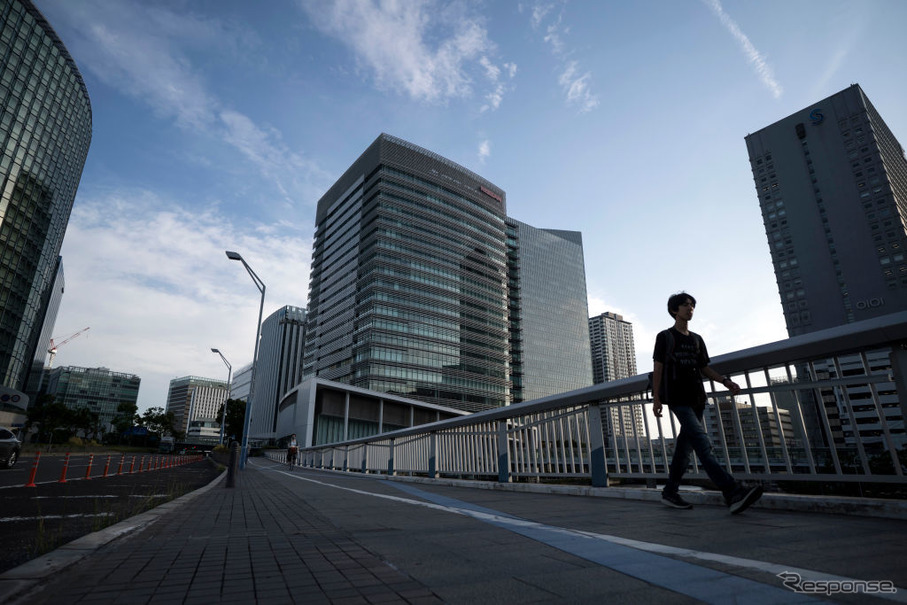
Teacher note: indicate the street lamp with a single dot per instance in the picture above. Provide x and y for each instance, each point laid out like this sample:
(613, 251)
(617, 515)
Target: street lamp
(248, 417)
(223, 416)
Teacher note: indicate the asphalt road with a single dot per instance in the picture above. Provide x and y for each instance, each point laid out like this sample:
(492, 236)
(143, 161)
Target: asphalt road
(36, 520)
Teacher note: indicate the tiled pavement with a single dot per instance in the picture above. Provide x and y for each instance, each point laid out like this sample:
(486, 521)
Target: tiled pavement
(295, 536)
(254, 543)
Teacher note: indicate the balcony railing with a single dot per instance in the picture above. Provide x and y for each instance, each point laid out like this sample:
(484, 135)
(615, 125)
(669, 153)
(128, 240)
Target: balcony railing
(827, 406)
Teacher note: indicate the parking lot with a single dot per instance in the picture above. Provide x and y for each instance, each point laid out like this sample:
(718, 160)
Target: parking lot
(36, 520)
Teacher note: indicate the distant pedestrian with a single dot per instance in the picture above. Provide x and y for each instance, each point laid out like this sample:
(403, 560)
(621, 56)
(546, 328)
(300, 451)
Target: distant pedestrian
(292, 450)
(681, 360)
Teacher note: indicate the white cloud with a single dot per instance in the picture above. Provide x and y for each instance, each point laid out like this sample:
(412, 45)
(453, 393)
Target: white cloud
(484, 150)
(763, 69)
(151, 279)
(144, 52)
(577, 87)
(426, 49)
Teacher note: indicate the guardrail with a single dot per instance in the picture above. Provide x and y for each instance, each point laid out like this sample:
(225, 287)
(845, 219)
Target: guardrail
(827, 406)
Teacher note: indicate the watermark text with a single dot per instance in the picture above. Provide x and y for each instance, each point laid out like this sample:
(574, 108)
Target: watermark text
(795, 582)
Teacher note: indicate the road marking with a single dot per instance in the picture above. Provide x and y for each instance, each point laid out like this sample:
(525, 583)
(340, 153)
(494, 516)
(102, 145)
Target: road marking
(46, 517)
(647, 561)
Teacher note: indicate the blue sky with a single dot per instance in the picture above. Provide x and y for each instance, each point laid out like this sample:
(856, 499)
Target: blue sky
(218, 124)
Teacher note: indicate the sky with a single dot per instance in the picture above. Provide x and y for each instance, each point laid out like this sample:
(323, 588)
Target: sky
(218, 124)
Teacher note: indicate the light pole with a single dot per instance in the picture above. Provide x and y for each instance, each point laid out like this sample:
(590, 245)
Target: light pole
(223, 416)
(248, 417)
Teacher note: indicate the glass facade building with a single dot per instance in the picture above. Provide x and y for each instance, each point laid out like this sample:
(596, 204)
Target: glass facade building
(422, 287)
(45, 131)
(99, 390)
(279, 367)
(408, 287)
(549, 311)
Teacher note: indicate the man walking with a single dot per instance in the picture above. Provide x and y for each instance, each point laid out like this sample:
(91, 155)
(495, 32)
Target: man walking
(681, 360)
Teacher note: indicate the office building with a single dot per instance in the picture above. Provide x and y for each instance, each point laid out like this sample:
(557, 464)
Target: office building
(45, 131)
(415, 288)
(37, 376)
(776, 430)
(279, 367)
(613, 355)
(241, 384)
(548, 309)
(99, 390)
(832, 185)
(407, 293)
(192, 398)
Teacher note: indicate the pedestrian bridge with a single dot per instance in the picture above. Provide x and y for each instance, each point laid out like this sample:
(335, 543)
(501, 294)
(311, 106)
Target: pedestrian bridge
(819, 413)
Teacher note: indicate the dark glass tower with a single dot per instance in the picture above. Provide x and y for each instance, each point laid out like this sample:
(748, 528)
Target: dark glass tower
(408, 290)
(45, 131)
(548, 311)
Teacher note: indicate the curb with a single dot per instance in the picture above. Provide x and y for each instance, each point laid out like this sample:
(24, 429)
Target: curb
(836, 505)
(18, 582)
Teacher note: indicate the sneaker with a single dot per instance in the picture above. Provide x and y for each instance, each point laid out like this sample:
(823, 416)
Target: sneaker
(742, 498)
(674, 500)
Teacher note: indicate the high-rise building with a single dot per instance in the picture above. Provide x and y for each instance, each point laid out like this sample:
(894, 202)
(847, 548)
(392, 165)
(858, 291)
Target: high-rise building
(407, 293)
(612, 346)
(758, 425)
(832, 185)
(548, 307)
(413, 283)
(279, 367)
(37, 376)
(45, 131)
(613, 355)
(99, 390)
(192, 398)
(242, 383)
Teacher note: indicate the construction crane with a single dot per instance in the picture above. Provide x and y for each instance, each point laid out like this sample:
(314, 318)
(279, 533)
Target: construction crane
(53, 346)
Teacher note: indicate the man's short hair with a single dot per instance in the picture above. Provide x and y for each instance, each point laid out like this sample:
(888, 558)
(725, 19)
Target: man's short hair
(678, 299)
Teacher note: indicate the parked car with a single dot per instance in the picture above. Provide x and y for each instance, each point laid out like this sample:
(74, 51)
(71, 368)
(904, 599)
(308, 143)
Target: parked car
(10, 447)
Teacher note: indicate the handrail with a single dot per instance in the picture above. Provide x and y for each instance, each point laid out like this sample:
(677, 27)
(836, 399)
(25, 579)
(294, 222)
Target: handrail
(821, 406)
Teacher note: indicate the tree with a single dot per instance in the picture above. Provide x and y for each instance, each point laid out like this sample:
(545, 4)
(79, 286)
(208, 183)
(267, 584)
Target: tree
(156, 420)
(50, 415)
(236, 415)
(127, 417)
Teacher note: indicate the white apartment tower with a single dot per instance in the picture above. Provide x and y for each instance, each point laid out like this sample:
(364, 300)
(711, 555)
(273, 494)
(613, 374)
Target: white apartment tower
(614, 357)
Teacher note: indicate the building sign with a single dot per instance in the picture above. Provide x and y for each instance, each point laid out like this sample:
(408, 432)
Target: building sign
(870, 303)
(13, 398)
(817, 116)
(491, 193)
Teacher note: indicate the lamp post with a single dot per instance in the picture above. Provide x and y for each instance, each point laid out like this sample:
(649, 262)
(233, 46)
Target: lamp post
(223, 416)
(248, 417)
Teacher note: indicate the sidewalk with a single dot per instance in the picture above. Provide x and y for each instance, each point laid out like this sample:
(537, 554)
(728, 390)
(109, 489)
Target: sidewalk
(252, 543)
(301, 536)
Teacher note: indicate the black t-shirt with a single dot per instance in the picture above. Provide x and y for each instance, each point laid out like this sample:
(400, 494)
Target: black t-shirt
(681, 383)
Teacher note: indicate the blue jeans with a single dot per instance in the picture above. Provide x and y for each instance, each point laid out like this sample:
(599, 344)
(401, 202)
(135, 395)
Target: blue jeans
(693, 438)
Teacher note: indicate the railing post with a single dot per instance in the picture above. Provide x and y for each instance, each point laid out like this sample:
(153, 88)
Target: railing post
(390, 460)
(503, 453)
(597, 464)
(433, 455)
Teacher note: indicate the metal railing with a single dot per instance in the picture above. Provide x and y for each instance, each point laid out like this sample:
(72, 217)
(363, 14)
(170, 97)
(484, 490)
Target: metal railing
(827, 406)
